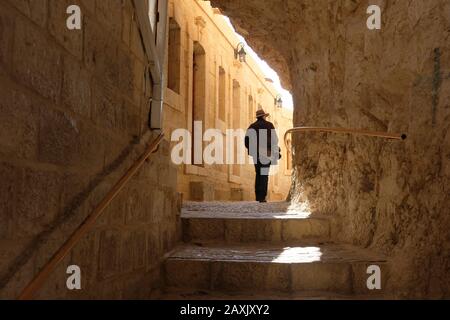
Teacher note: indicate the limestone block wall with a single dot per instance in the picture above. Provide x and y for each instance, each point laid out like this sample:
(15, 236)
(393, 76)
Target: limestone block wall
(199, 23)
(73, 107)
(389, 196)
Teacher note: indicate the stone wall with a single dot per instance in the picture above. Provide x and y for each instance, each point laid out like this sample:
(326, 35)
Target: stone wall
(199, 23)
(73, 108)
(387, 195)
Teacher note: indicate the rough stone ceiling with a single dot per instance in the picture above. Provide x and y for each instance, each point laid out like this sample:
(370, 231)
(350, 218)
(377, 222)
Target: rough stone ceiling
(275, 28)
(258, 21)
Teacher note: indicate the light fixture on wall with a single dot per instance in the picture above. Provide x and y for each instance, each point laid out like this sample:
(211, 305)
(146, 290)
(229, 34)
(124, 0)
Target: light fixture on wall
(278, 102)
(239, 52)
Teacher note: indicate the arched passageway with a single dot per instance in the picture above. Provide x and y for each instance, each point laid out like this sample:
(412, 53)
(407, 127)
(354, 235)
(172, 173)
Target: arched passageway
(389, 196)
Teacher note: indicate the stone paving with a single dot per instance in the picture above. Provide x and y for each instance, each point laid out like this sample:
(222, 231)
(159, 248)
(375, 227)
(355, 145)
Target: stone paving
(271, 250)
(238, 207)
(246, 210)
(249, 222)
(215, 295)
(332, 253)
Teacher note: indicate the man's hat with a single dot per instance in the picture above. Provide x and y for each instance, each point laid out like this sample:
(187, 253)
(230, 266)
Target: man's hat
(261, 113)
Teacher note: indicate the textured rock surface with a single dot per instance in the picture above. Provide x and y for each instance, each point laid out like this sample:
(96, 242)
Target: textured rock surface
(72, 106)
(391, 196)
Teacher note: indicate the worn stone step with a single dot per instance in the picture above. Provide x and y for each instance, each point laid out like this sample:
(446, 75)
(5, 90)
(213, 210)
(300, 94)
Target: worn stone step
(340, 269)
(246, 227)
(180, 294)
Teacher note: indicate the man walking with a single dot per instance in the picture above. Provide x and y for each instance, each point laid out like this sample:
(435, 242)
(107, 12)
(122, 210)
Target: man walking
(261, 142)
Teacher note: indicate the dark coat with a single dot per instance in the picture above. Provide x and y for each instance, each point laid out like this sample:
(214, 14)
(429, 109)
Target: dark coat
(260, 126)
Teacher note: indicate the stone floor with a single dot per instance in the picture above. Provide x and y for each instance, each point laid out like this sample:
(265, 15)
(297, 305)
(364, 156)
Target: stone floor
(245, 208)
(248, 250)
(332, 253)
(247, 222)
(214, 295)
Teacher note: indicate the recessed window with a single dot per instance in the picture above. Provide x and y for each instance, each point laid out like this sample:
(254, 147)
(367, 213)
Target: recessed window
(251, 109)
(236, 123)
(174, 56)
(198, 88)
(222, 94)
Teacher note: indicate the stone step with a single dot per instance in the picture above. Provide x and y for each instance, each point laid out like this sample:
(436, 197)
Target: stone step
(245, 227)
(339, 269)
(190, 295)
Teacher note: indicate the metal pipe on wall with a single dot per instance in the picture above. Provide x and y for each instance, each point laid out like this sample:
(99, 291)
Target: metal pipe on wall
(154, 42)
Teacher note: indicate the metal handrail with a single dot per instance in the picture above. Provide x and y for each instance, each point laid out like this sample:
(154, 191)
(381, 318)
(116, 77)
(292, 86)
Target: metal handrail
(38, 281)
(378, 134)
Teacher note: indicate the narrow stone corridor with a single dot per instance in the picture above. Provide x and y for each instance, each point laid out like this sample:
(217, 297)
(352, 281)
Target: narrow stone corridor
(253, 251)
(116, 114)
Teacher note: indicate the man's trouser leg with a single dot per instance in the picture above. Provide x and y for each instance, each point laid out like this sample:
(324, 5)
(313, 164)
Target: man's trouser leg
(261, 181)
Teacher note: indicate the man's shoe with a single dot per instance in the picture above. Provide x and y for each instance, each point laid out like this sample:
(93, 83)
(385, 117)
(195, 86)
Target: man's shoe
(262, 201)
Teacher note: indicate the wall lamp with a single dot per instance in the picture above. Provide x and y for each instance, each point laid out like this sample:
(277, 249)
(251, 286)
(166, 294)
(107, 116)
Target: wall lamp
(278, 102)
(239, 52)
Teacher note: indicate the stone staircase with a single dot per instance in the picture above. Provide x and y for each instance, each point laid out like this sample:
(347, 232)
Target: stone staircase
(264, 251)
